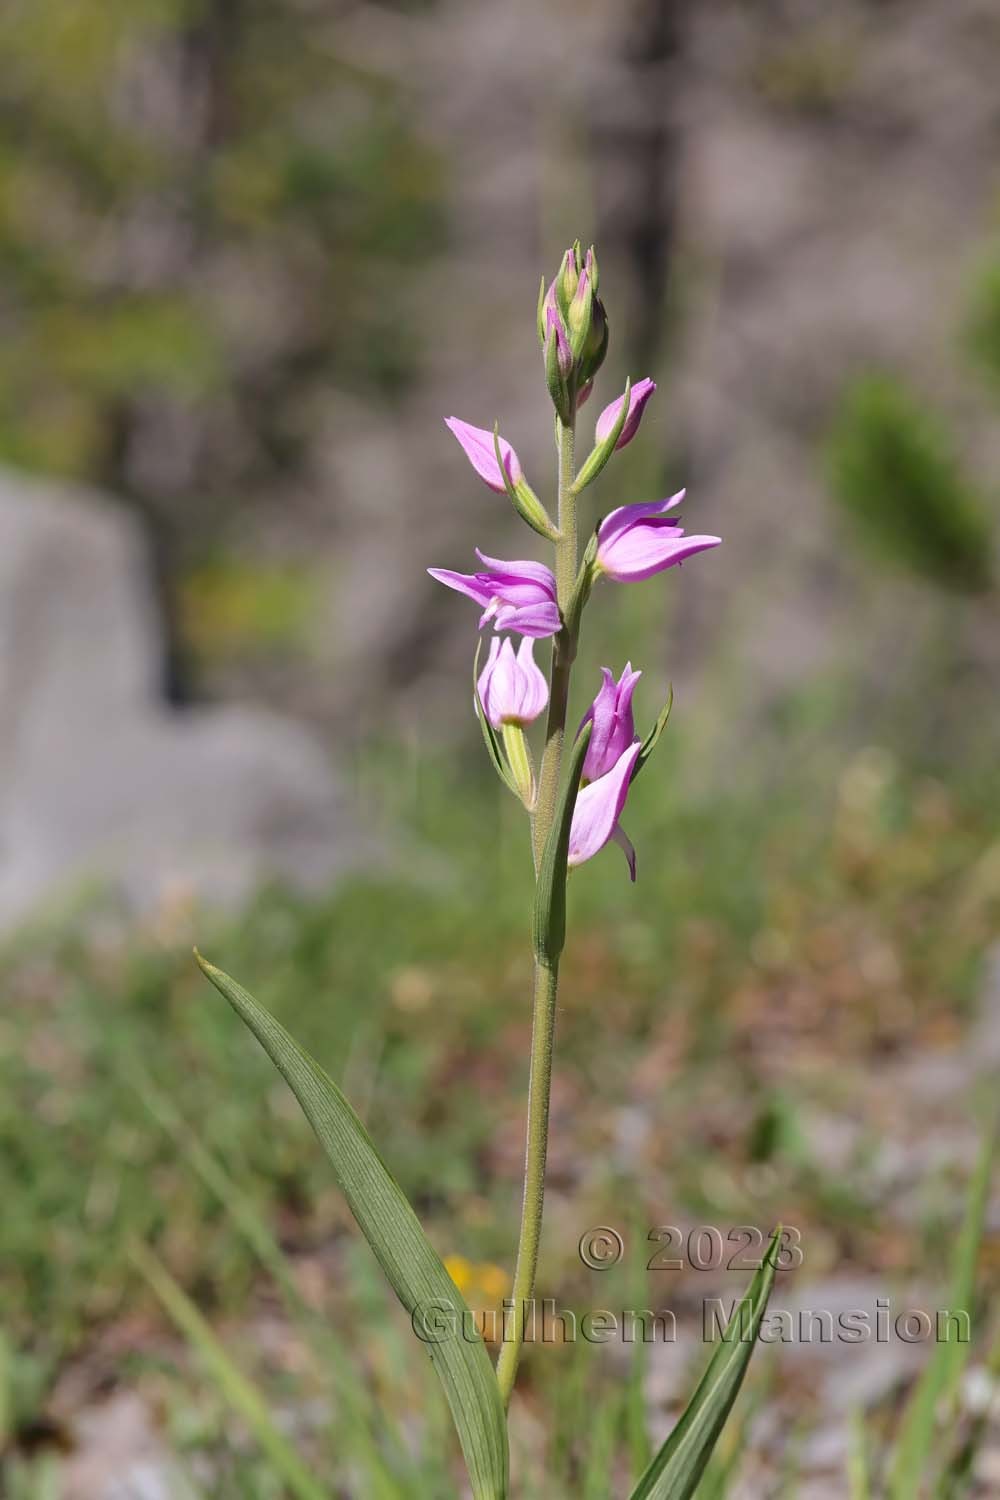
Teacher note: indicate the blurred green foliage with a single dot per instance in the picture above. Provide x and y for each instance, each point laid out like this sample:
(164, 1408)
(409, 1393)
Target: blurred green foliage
(233, 606)
(897, 477)
(983, 324)
(208, 218)
(841, 916)
(412, 989)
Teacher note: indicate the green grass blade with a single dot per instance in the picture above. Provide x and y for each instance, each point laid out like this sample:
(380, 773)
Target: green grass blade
(677, 1468)
(410, 1262)
(936, 1388)
(238, 1391)
(354, 1407)
(858, 1468)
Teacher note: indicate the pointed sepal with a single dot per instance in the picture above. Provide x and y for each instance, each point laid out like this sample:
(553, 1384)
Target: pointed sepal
(649, 743)
(522, 496)
(601, 452)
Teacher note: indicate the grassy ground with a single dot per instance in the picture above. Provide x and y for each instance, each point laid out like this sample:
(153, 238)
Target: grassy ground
(780, 953)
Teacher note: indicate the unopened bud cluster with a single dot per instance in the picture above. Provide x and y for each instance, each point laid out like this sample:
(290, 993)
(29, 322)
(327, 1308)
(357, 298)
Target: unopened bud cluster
(573, 330)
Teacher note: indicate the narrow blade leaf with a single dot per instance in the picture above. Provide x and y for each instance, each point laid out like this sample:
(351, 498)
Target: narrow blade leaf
(649, 743)
(232, 1383)
(677, 1468)
(858, 1466)
(936, 1388)
(407, 1257)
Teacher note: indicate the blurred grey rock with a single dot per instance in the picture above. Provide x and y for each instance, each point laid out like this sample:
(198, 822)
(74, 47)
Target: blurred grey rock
(102, 783)
(118, 1455)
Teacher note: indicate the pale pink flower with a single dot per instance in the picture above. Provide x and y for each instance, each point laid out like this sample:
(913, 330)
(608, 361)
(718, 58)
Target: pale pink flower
(512, 690)
(636, 541)
(479, 448)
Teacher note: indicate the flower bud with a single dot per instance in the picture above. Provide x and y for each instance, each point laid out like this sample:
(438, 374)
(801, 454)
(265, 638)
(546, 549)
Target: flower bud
(559, 366)
(571, 305)
(638, 395)
(595, 344)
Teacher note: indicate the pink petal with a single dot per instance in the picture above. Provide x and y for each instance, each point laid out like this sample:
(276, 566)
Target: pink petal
(519, 571)
(599, 806)
(639, 394)
(626, 515)
(534, 689)
(621, 838)
(648, 548)
(477, 444)
(486, 678)
(464, 583)
(613, 727)
(534, 619)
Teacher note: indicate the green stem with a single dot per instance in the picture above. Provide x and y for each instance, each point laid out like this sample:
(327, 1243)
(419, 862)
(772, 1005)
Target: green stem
(566, 545)
(539, 1085)
(563, 647)
(546, 978)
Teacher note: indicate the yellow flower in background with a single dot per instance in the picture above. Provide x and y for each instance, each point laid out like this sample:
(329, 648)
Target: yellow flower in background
(460, 1270)
(494, 1281)
(480, 1282)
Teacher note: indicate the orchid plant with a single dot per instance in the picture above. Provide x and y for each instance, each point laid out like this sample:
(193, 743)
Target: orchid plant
(574, 803)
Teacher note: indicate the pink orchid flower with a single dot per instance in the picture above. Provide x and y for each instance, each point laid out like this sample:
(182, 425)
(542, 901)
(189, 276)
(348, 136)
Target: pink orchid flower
(636, 541)
(613, 726)
(598, 807)
(518, 596)
(512, 690)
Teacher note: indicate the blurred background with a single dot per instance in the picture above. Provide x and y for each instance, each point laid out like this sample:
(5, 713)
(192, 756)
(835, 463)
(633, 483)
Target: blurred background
(250, 256)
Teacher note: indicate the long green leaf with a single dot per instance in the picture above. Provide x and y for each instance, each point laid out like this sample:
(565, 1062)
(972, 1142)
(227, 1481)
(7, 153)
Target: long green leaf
(410, 1262)
(858, 1466)
(649, 743)
(936, 1388)
(233, 1384)
(677, 1468)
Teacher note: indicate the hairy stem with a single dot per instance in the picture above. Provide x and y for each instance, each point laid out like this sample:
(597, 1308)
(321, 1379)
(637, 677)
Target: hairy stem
(539, 1083)
(546, 978)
